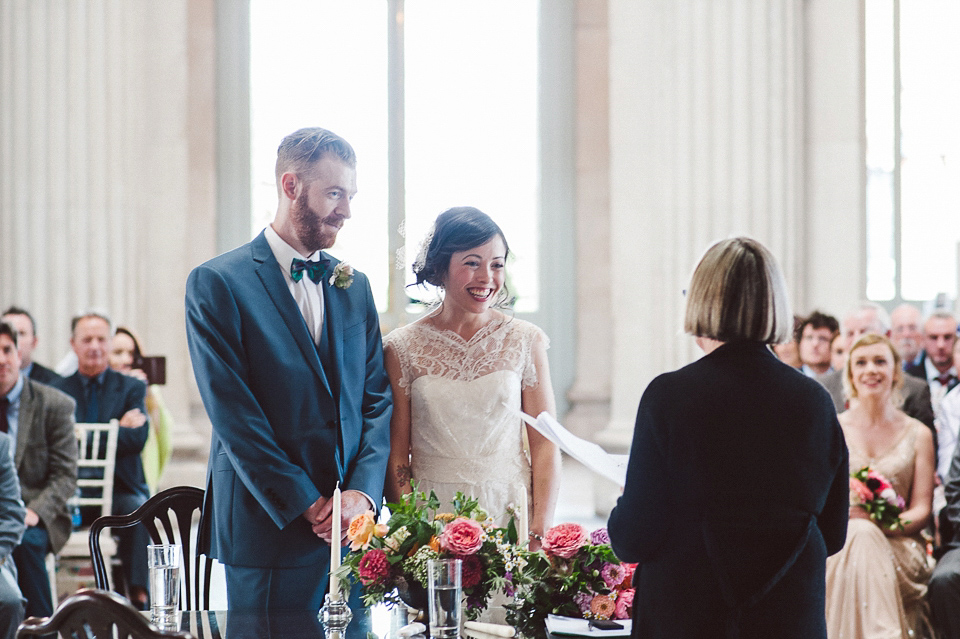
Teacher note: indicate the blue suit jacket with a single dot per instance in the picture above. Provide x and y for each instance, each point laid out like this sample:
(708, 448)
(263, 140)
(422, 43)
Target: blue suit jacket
(119, 394)
(285, 429)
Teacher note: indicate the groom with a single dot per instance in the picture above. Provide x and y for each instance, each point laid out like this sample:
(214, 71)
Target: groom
(285, 344)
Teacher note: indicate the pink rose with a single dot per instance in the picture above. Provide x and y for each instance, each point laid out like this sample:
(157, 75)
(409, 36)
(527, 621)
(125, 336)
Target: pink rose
(462, 536)
(628, 572)
(564, 540)
(624, 604)
(373, 566)
(860, 490)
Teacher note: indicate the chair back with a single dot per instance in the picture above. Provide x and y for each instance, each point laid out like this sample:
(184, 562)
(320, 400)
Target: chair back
(171, 517)
(96, 462)
(96, 614)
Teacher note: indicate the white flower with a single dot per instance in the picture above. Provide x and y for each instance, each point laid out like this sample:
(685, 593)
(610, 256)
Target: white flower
(890, 495)
(342, 275)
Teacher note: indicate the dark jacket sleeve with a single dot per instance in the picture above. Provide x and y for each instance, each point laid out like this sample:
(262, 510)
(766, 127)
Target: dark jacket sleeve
(130, 441)
(639, 523)
(835, 515)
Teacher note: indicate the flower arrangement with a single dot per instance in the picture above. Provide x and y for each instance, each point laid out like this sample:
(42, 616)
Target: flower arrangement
(575, 574)
(875, 493)
(390, 560)
(342, 275)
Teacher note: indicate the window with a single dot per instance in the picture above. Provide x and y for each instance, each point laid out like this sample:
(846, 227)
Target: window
(913, 149)
(469, 117)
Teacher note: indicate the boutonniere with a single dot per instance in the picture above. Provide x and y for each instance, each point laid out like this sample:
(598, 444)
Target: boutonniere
(342, 275)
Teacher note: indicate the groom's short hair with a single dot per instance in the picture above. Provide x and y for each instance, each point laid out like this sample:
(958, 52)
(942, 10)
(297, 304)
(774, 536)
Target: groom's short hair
(302, 149)
(738, 293)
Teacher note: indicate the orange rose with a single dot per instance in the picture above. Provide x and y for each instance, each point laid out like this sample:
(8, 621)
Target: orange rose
(361, 530)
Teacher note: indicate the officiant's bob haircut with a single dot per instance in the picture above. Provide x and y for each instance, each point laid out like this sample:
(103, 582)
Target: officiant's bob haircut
(737, 293)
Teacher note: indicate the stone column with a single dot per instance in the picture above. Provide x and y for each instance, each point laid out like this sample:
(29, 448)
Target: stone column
(107, 166)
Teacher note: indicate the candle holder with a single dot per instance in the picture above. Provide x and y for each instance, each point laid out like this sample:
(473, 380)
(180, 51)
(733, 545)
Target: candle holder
(335, 617)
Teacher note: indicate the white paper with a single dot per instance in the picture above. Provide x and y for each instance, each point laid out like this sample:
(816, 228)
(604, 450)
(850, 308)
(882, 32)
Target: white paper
(558, 625)
(613, 467)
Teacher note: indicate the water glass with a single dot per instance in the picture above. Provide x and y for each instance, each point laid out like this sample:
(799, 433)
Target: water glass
(443, 597)
(164, 563)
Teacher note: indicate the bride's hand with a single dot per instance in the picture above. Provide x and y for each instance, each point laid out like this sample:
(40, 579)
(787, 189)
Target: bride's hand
(858, 512)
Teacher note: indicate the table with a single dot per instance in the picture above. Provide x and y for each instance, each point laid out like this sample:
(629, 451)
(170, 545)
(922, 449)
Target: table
(221, 624)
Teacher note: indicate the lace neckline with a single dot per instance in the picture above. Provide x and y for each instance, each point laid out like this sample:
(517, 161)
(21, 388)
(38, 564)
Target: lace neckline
(482, 332)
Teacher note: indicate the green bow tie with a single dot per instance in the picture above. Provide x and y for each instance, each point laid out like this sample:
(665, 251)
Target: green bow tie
(315, 270)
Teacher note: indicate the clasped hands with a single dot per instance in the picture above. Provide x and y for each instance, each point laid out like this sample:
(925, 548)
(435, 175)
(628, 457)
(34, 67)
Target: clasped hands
(352, 503)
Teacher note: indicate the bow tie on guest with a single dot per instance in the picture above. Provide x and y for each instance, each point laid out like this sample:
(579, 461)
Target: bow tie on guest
(947, 380)
(315, 270)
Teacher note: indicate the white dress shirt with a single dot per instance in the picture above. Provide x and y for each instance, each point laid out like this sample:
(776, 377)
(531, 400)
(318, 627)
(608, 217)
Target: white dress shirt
(306, 294)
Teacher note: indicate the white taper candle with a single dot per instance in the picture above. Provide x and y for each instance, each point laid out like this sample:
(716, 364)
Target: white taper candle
(335, 545)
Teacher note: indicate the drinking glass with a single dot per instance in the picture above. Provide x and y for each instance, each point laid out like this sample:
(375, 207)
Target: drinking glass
(443, 597)
(164, 563)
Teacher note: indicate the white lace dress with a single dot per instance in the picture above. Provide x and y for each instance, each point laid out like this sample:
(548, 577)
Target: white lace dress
(465, 434)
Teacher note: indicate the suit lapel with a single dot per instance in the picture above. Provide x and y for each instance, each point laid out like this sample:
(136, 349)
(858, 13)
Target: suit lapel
(28, 410)
(272, 279)
(333, 326)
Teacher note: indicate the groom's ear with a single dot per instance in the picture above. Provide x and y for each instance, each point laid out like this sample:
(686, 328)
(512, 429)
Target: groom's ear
(289, 185)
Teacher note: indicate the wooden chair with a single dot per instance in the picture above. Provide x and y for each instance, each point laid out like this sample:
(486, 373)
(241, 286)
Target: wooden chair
(96, 461)
(96, 614)
(169, 518)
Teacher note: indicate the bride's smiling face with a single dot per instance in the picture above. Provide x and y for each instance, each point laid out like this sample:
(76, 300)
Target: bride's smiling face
(475, 276)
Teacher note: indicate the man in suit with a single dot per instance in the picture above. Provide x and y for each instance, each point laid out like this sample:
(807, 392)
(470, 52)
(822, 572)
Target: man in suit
(872, 318)
(287, 354)
(12, 512)
(103, 394)
(936, 365)
(26, 327)
(39, 420)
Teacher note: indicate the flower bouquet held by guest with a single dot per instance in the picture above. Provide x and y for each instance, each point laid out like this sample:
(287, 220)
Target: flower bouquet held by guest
(390, 560)
(575, 574)
(460, 374)
(883, 568)
(126, 357)
(737, 485)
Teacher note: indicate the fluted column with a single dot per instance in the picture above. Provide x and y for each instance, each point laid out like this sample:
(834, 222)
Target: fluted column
(106, 166)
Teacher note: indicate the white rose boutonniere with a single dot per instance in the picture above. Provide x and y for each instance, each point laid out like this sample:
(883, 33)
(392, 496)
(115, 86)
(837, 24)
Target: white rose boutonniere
(342, 276)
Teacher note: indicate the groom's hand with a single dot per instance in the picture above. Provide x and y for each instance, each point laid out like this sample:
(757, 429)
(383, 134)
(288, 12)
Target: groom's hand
(352, 503)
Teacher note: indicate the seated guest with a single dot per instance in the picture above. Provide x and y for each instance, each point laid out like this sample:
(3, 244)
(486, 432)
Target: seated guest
(26, 328)
(876, 585)
(101, 395)
(838, 352)
(11, 529)
(126, 357)
(905, 333)
(944, 588)
(788, 351)
(872, 318)
(936, 365)
(39, 420)
(813, 340)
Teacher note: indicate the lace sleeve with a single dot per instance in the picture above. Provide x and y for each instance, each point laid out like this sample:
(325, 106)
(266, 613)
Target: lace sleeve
(534, 335)
(397, 342)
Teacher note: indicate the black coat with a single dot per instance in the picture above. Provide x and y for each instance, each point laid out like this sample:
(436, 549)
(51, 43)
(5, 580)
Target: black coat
(736, 492)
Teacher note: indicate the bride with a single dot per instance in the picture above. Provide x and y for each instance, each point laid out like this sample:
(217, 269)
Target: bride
(459, 375)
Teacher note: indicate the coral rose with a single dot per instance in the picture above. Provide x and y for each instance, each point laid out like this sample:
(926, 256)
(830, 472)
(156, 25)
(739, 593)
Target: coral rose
(462, 536)
(564, 540)
(361, 530)
(373, 566)
(860, 490)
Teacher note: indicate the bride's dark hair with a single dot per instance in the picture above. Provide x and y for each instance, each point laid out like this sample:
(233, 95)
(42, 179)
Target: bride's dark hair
(457, 229)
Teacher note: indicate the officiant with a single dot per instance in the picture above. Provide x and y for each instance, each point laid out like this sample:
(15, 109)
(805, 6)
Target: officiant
(737, 485)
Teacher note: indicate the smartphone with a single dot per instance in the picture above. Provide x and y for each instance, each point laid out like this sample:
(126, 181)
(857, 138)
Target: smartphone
(605, 624)
(156, 369)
